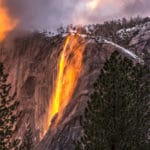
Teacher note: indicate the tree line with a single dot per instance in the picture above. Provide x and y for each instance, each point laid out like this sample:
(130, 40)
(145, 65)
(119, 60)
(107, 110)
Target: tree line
(117, 116)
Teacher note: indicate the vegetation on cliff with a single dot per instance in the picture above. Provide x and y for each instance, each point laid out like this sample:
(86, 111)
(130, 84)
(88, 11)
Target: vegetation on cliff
(8, 114)
(117, 115)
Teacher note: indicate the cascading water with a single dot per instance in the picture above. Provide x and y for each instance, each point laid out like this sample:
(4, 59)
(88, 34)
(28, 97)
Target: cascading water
(69, 69)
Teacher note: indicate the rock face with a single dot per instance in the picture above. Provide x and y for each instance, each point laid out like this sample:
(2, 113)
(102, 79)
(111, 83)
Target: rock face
(141, 43)
(69, 128)
(32, 68)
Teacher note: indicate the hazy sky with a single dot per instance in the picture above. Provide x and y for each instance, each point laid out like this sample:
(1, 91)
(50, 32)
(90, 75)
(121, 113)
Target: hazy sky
(49, 14)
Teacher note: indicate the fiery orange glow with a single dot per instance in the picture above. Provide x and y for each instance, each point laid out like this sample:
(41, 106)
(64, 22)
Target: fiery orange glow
(7, 23)
(69, 69)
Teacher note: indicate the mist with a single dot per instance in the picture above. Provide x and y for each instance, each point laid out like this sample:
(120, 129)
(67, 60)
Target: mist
(50, 14)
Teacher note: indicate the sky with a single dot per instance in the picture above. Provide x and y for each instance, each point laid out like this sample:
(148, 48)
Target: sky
(50, 14)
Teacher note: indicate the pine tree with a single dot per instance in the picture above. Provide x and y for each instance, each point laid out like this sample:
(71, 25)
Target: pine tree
(27, 143)
(8, 114)
(117, 115)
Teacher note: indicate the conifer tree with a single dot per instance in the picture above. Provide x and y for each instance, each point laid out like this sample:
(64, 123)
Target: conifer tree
(117, 114)
(8, 114)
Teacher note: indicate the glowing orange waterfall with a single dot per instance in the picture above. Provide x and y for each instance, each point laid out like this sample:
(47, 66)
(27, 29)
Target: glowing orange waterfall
(69, 69)
(7, 23)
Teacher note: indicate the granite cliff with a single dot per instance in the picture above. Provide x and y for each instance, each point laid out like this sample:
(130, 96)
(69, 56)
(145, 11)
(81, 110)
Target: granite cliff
(32, 67)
